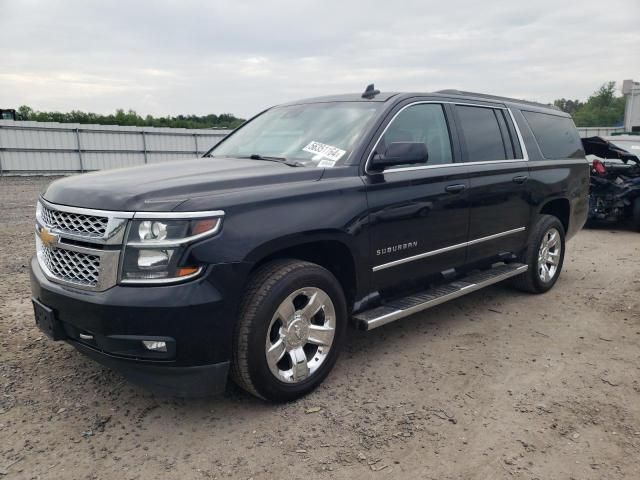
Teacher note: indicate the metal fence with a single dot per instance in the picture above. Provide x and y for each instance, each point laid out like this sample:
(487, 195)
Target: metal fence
(48, 147)
(586, 132)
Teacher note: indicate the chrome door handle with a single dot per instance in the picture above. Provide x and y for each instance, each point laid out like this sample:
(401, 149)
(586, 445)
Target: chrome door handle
(521, 178)
(460, 187)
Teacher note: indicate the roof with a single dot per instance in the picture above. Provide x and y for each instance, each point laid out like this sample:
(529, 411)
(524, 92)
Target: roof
(347, 97)
(384, 96)
(484, 96)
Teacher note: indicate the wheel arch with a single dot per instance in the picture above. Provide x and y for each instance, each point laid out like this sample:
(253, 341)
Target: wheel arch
(559, 208)
(331, 250)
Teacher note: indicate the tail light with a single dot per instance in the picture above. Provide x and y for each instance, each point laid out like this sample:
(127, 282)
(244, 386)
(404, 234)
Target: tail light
(599, 167)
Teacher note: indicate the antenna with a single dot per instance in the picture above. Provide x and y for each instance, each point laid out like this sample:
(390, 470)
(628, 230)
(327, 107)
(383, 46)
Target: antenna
(370, 91)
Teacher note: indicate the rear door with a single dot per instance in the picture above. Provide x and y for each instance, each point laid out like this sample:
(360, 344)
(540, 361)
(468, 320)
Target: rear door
(499, 208)
(418, 213)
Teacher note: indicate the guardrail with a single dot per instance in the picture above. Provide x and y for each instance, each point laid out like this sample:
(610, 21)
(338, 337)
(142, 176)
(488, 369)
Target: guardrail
(43, 147)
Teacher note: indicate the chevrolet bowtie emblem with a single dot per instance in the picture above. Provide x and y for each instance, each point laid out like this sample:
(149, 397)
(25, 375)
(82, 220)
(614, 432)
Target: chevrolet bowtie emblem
(48, 239)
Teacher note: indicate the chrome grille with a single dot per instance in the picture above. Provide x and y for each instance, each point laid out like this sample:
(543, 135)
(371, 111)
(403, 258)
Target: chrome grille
(73, 267)
(80, 246)
(76, 223)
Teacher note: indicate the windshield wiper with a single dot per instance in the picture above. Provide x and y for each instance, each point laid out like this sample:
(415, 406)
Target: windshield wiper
(291, 163)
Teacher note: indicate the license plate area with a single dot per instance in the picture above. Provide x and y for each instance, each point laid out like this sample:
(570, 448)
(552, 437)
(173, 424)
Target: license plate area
(46, 321)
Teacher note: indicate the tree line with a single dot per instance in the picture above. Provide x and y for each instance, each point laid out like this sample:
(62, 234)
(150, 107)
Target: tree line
(602, 109)
(131, 118)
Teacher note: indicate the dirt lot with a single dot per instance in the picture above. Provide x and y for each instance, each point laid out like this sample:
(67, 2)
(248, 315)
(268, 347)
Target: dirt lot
(497, 385)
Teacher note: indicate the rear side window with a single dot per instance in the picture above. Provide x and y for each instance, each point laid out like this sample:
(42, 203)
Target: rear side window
(482, 134)
(424, 123)
(557, 136)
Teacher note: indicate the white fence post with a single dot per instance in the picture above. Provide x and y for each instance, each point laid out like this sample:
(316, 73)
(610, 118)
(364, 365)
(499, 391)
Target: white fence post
(144, 146)
(79, 149)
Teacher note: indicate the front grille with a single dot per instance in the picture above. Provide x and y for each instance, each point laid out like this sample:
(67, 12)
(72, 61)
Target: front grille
(69, 266)
(81, 246)
(75, 223)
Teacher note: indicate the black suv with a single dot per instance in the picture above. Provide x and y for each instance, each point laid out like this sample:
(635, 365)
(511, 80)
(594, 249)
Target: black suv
(253, 259)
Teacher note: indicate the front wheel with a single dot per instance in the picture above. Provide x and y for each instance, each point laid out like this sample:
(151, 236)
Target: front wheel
(291, 327)
(544, 256)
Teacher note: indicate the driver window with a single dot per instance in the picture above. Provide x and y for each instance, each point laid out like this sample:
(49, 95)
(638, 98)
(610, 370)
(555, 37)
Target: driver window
(425, 123)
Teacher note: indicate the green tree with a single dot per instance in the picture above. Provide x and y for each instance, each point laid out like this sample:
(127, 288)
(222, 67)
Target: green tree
(569, 106)
(603, 108)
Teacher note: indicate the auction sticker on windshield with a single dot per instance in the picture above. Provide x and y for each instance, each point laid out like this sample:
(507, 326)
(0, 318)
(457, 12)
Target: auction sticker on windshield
(324, 151)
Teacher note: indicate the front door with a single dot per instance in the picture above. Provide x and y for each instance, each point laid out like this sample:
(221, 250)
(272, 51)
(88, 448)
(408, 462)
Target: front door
(418, 213)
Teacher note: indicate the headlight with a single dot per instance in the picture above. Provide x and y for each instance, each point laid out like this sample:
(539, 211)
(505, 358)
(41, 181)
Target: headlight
(154, 248)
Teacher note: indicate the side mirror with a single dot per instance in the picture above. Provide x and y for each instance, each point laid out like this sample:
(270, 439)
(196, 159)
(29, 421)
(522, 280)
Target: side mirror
(400, 153)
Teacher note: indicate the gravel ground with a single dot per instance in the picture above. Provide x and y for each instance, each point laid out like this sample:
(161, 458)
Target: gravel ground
(498, 384)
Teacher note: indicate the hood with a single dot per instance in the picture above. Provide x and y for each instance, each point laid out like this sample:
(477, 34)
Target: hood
(164, 186)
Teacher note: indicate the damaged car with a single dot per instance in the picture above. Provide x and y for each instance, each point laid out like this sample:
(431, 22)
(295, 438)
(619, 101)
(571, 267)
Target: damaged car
(615, 179)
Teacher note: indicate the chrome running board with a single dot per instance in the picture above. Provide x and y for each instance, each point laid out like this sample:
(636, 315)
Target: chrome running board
(403, 307)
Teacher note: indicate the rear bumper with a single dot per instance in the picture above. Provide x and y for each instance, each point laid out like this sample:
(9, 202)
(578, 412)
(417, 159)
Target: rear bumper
(195, 319)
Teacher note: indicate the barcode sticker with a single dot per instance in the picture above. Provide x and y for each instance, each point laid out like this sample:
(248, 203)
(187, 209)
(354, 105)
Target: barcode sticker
(326, 163)
(322, 150)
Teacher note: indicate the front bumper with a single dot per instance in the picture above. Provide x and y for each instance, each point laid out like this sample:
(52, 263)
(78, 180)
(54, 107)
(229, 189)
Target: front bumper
(196, 320)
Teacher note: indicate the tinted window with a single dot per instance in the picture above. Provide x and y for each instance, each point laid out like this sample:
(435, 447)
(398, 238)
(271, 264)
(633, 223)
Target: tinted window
(481, 134)
(556, 136)
(426, 123)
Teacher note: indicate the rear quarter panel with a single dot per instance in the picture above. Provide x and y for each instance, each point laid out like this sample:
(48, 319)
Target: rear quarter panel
(556, 179)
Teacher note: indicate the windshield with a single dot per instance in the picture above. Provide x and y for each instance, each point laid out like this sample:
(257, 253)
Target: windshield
(313, 134)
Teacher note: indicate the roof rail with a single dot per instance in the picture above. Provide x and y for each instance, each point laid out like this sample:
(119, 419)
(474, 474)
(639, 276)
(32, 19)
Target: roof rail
(453, 91)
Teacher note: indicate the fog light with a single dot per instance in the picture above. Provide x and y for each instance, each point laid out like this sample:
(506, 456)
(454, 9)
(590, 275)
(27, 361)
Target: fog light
(155, 346)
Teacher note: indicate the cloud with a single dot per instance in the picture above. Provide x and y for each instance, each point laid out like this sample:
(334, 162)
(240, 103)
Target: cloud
(163, 57)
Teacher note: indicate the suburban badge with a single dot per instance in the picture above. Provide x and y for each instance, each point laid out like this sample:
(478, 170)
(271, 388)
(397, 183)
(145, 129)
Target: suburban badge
(396, 248)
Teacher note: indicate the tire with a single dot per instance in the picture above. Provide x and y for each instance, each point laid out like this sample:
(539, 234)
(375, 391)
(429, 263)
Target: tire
(635, 214)
(277, 316)
(536, 256)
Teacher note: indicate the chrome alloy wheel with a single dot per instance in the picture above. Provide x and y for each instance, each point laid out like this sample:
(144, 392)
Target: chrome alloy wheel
(549, 255)
(300, 334)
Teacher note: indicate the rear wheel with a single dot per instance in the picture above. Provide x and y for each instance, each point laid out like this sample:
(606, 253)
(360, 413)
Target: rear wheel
(291, 327)
(544, 256)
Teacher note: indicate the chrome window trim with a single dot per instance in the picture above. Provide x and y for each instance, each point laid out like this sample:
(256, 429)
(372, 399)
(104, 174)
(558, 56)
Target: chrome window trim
(452, 164)
(446, 249)
(457, 164)
(523, 147)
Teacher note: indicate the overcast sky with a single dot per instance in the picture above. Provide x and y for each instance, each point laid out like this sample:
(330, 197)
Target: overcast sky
(195, 57)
